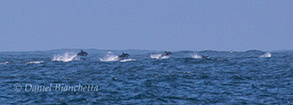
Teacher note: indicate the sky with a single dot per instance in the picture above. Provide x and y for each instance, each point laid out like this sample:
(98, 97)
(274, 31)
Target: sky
(29, 25)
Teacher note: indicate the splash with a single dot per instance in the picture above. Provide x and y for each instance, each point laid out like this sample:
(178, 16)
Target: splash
(35, 62)
(156, 56)
(67, 57)
(231, 51)
(165, 57)
(4, 63)
(159, 56)
(196, 56)
(266, 55)
(127, 60)
(109, 57)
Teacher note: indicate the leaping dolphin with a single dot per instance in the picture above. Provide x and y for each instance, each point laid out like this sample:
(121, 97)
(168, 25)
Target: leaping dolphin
(123, 56)
(82, 53)
(166, 53)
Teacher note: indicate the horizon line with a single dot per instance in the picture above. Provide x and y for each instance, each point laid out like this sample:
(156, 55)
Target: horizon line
(139, 49)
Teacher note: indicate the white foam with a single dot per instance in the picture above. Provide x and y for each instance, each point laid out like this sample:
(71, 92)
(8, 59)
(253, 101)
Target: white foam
(34, 62)
(4, 63)
(266, 55)
(127, 60)
(109, 57)
(165, 57)
(156, 56)
(196, 56)
(159, 56)
(67, 57)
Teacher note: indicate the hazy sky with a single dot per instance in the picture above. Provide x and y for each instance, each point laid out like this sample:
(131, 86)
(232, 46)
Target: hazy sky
(146, 24)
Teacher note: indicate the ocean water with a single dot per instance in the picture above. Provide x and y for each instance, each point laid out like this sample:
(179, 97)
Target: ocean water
(185, 77)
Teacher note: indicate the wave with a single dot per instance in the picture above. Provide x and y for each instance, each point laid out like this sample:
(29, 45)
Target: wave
(35, 62)
(266, 55)
(253, 51)
(67, 57)
(196, 56)
(159, 56)
(110, 57)
(4, 63)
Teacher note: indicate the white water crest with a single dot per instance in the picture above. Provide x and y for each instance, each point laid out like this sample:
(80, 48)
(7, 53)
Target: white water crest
(109, 57)
(67, 57)
(266, 55)
(4, 63)
(196, 56)
(159, 56)
(35, 62)
(127, 60)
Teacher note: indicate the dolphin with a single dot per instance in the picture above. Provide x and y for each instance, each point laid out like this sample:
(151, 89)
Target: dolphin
(166, 53)
(82, 53)
(123, 56)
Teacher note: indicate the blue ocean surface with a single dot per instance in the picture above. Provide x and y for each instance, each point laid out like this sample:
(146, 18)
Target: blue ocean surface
(185, 77)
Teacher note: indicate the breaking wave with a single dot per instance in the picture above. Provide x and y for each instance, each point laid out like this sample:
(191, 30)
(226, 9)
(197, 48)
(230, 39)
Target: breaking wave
(67, 57)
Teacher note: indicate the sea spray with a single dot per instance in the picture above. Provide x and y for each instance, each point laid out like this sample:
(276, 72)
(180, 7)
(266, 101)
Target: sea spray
(158, 56)
(4, 63)
(34, 62)
(196, 56)
(266, 55)
(67, 57)
(109, 57)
